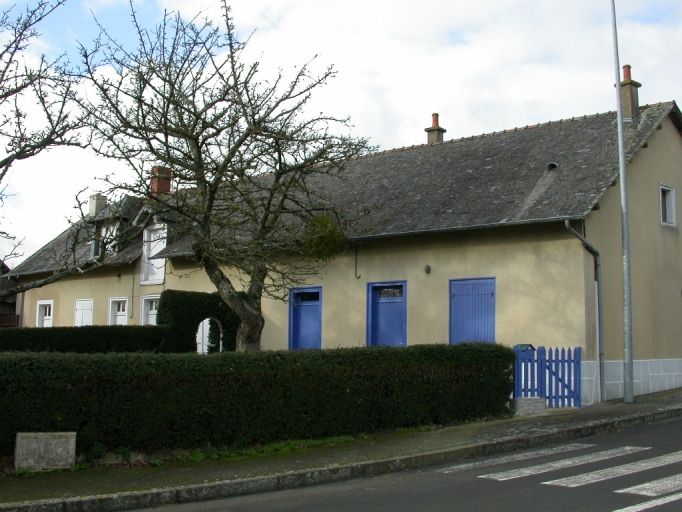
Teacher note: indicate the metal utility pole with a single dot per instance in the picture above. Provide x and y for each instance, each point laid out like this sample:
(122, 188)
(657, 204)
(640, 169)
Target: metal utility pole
(628, 375)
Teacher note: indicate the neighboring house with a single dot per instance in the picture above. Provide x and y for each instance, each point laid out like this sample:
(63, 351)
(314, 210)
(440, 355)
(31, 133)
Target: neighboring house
(8, 316)
(464, 240)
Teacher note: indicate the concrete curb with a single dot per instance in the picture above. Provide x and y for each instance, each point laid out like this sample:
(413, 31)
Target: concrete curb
(239, 487)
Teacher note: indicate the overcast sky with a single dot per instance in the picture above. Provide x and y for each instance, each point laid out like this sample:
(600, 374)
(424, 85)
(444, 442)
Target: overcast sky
(483, 66)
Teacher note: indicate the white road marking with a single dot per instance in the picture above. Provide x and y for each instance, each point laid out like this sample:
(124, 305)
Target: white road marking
(512, 458)
(657, 487)
(651, 504)
(626, 469)
(566, 463)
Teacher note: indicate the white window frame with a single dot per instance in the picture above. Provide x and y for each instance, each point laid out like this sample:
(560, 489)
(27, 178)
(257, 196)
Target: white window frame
(146, 299)
(113, 309)
(147, 253)
(105, 233)
(666, 196)
(39, 318)
(92, 311)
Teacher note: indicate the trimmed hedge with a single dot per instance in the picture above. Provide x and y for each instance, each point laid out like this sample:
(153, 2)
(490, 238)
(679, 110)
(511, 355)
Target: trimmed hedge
(178, 317)
(184, 311)
(155, 401)
(96, 339)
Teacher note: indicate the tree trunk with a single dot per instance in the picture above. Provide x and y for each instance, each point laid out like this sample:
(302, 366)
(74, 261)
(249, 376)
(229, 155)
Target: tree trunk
(249, 333)
(249, 311)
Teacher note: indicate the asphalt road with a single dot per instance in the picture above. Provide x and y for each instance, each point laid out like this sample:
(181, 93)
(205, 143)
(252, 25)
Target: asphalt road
(627, 471)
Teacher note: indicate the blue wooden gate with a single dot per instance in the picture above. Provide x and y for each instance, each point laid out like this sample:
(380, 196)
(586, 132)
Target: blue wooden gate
(553, 374)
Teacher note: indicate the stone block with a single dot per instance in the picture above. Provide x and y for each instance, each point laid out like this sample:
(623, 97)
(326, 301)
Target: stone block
(655, 366)
(529, 406)
(669, 366)
(613, 371)
(45, 450)
(588, 390)
(658, 383)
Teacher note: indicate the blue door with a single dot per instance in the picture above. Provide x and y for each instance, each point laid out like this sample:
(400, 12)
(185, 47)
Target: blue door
(387, 315)
(305, 318)
(472, 310)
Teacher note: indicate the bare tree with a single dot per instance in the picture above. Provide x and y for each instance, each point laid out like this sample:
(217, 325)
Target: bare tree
(36, 114)
(25, 129)
(240, 150)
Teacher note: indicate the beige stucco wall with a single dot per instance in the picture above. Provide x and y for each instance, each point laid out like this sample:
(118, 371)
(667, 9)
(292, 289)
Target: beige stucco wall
(540, 288)
(543, 287)
(99, 285)
(656, 250)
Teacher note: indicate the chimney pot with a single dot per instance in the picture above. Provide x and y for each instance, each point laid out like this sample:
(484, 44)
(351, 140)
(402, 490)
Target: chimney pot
(161, 181)
(435, 132)
(626, 73)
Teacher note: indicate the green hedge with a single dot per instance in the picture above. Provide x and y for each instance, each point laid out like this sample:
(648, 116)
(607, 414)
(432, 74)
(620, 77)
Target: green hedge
(96, 339)
(184, 311)
(179, 316)
(156, 401)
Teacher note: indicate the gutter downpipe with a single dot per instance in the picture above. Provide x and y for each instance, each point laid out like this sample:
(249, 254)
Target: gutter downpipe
(600, 317)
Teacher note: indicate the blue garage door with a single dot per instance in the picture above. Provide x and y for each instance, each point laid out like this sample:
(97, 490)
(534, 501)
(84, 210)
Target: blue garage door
(472, 310)
(387, 318)
(305, 318)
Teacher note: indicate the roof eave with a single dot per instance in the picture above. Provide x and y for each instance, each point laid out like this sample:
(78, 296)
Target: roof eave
(471, 227)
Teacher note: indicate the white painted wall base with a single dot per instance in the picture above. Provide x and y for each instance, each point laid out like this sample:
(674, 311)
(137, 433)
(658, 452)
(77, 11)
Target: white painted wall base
(650, 376)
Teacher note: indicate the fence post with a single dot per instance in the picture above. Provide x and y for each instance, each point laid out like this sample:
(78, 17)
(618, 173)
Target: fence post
(542, 372)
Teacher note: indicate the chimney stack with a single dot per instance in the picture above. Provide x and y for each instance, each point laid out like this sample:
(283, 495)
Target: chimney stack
(95, 204)
(435, 132)
(629, 95)
(161, 181)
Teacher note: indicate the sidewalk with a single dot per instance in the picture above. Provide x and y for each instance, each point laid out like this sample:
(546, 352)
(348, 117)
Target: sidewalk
(104, 489)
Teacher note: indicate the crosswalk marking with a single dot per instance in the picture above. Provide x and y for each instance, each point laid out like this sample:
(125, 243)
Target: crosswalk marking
(657, 487)
(566, 463)
(518, 456)
(651, 504)
(627, 469)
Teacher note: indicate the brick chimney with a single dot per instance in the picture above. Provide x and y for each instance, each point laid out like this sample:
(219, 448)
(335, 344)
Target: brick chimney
(95, 204)
(435, 132)
(629, 96)
(161, 181)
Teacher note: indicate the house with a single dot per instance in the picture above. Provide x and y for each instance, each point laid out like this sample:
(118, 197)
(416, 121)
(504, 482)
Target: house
(8, 316)
(479, 238)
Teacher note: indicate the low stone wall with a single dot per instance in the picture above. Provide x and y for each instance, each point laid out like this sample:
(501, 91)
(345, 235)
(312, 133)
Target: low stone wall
(650, 376)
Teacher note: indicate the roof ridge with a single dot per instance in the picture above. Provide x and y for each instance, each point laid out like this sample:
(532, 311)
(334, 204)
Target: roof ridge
(509, 130)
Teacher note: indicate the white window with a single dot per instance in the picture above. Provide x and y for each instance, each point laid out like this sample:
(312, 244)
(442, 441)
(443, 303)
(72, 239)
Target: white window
(150, 305)
(44, 313)
(118, 311)
(105, 235)
(154, 241)
(667, 195)
(82, 312)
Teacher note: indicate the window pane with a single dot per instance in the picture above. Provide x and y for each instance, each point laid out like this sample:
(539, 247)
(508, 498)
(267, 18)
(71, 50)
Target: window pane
(387, 292)
(309, 296)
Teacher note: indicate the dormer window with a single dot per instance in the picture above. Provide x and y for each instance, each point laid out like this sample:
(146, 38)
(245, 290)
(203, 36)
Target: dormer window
(667, 196)
(154, 241)
(105, 234)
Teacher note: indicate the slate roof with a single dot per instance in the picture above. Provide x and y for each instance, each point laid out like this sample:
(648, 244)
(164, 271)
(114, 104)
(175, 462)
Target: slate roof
(496, 179)
(58, 252)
